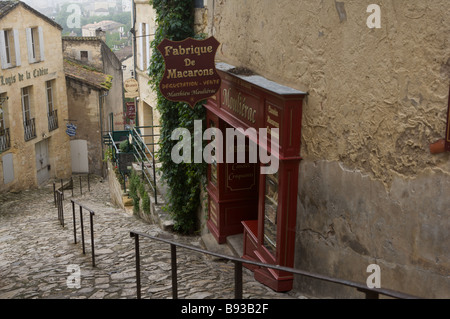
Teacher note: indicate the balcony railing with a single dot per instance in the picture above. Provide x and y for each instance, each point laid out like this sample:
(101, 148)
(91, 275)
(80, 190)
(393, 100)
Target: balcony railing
(5, 140)
(52, 120)
(30, 129)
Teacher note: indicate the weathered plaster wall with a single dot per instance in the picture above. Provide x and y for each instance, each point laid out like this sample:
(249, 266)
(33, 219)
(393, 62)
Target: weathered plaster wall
(348, 220)
(85, 112)
(370, 191)
(72, 49)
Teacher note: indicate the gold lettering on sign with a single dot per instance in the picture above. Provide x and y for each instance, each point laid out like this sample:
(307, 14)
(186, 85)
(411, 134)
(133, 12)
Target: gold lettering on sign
(272, 122)
(272, 110)
(213, 212)
(238, 105)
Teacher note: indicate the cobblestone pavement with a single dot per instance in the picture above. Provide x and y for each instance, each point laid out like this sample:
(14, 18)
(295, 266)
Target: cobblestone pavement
(36, 251)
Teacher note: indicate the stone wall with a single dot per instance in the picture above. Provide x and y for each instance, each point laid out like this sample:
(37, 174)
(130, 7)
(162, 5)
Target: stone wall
(370, 191)
(35, 75)
(85, 110)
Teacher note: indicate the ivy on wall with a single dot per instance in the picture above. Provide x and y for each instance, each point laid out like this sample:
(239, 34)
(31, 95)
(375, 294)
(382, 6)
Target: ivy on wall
(175, 21)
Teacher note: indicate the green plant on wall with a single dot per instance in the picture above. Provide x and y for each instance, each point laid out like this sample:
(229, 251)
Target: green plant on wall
(175, 22)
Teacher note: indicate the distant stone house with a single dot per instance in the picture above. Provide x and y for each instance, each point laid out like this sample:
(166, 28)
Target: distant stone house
(95, 95)
(86, 90)
(89, 30)
(34, 146)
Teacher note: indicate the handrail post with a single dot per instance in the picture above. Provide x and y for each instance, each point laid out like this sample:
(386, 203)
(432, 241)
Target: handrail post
(91, 214)
(154, 179)
(81, 187)
(237, 280)
(138, 264)
(54, 193)
(89, 183)
(370, 294)
(74, 223)
(82, 229)
(173, 257)
(60, 208)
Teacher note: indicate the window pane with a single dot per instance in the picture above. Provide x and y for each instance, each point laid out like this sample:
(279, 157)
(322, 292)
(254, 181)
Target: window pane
(26, 104)
(49, 96)
(7, 47)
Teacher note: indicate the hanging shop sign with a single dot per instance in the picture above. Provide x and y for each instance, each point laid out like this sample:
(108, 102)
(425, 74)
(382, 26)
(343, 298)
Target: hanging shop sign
(190, 75)
(131, 110)
(131, 87)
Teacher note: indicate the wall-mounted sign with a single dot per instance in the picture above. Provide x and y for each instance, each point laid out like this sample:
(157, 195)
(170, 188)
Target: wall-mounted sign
(19, 77)
(190, 74)
(71, 129)
(131, 110)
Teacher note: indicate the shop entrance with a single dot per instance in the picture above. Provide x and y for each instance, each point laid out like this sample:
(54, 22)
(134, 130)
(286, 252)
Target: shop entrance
(244, 197)
(232, 188)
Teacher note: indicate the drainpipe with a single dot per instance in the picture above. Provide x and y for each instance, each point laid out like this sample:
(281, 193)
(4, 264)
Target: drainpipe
(443, 145)
(100, 105)
(133, 32)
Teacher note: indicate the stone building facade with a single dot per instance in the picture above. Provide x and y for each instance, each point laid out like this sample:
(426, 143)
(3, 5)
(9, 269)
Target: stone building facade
(144, 25)
(33, 144)
(377, 77)
(95, 96)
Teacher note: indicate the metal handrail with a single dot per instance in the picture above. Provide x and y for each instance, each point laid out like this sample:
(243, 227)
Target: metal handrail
(70, 185)
(59, 199)
(371, 293)
(91, 219)
(141, 151)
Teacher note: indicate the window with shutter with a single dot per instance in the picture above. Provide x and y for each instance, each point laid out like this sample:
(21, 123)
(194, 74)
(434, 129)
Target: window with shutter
(35, 44)
(9, 49)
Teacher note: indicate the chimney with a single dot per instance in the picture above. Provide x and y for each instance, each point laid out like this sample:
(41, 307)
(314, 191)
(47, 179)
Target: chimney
(100, 34)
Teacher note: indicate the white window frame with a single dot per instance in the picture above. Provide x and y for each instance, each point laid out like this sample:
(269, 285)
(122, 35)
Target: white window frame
(9, 38)
(141, 46)
(35, 38)
(26, 107)
(49, 95)
(147, 44)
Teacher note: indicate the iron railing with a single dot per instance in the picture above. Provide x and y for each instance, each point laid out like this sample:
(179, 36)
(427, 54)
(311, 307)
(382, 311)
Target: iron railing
(147, 158)
(91, 221)
(5, 140)
(59, 202)
(370, 293)
(70, 185)
(141, 153)
(29, 129)
(52, 120)
(109, 140)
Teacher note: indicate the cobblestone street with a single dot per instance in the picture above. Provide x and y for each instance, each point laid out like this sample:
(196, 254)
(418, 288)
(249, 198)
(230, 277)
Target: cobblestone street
(35, 252)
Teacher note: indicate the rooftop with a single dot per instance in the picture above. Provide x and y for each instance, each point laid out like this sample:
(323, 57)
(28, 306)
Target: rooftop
(9, 5)
(77, 71)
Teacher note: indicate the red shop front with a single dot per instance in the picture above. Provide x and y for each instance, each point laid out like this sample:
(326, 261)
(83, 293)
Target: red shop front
(242, 200)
